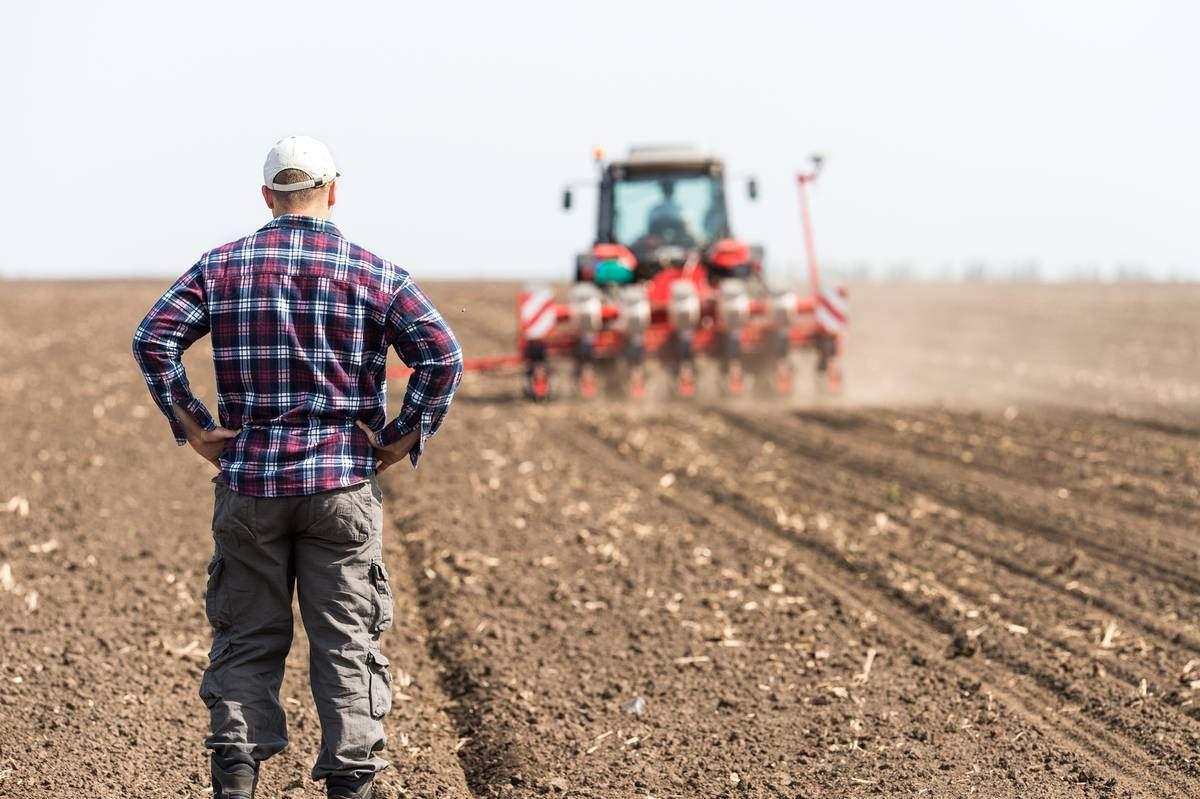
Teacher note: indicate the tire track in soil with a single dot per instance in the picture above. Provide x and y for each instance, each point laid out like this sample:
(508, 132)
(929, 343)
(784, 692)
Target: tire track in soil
(1044, 598)
(1050, 437)
(818, 476)
(1002, 499)
(1160, 672)
(943, 436)
(421, 735)
(1175, 644)
(1064, 430)
(489, 754)
(1172, 429)
(1112, 750)
(1168, 600)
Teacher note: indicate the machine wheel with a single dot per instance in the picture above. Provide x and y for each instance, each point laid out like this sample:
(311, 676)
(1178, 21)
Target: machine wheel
(783, 379)
(637, 383)
(735, 379)
(587, 381)
(833, 378)
(686, 380)
(537, 382)
(829, 370)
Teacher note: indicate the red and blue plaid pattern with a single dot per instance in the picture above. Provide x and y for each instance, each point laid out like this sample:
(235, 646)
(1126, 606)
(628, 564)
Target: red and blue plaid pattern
(301, 321)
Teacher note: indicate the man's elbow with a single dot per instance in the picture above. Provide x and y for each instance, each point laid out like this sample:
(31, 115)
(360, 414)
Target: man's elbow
(139, 346)
(150, 347)
(452, 356)
(456, 362)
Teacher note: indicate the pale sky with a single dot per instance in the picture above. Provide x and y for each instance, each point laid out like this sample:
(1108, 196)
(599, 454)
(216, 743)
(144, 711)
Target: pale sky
(1066, 132)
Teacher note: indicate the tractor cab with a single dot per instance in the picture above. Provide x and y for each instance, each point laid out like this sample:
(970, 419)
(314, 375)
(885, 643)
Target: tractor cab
(662, 208)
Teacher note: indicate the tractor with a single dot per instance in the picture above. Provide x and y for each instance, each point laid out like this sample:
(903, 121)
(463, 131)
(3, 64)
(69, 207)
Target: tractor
(667, 279)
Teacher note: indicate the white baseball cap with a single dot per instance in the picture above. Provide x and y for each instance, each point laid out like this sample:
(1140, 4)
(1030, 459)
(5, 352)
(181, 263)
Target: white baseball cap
(304, 153)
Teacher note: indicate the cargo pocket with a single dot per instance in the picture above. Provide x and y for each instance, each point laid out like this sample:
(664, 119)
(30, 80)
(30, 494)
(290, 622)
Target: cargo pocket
(349, 523)
(214, 595)
(233, 517)
(210, 691)
(382, 598)
(381, 684)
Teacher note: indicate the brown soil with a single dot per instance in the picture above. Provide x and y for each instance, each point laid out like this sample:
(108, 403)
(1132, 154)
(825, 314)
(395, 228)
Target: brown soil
(974, 575)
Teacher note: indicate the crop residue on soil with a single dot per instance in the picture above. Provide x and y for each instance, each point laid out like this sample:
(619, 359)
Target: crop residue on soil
(976, 576)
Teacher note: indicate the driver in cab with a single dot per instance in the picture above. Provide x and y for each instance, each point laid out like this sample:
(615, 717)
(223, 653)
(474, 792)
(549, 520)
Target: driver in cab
(666, 218)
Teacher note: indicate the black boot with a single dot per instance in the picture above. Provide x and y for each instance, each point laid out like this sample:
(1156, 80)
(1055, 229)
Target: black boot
(350, 787)
(237, 781)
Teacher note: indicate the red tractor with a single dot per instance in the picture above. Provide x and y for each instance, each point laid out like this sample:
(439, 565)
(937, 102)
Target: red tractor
(667, 279)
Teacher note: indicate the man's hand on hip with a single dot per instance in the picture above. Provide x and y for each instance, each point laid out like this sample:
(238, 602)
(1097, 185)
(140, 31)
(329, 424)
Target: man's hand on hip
(209, 443)
(393, 453)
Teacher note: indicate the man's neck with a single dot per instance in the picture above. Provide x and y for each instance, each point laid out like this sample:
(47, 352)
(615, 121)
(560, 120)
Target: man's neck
(319, 213)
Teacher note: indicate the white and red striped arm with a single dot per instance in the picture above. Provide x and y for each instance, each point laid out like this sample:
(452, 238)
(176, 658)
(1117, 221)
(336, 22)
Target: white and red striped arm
(832, 312)
(536, 310)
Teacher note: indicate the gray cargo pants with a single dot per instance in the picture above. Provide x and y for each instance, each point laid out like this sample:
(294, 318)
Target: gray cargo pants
(329, 548)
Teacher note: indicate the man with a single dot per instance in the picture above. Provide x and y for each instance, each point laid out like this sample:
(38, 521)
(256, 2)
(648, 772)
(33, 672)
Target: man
(301, 320)
(665, 219)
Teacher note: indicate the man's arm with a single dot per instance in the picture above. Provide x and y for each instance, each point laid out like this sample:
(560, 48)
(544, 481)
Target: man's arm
(426, 344)
(178, 318)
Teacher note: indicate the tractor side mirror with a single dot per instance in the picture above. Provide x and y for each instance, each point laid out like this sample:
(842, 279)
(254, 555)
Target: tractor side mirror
(566, 199)
(752, 188)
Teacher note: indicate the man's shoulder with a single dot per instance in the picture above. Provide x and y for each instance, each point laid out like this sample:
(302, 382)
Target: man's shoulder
(388, 276)
(238, 247)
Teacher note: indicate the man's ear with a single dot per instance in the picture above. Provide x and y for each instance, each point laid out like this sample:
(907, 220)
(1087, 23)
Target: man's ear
(268, 197)
(332, 194)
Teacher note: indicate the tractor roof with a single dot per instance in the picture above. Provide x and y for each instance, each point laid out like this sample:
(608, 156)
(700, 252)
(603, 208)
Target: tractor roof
(667, 156)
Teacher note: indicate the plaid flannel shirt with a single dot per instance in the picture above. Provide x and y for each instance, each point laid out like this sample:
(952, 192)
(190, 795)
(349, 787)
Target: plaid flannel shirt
(301, 321)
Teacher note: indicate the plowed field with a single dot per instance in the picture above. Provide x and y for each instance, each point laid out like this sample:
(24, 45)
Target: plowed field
(975, 575)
